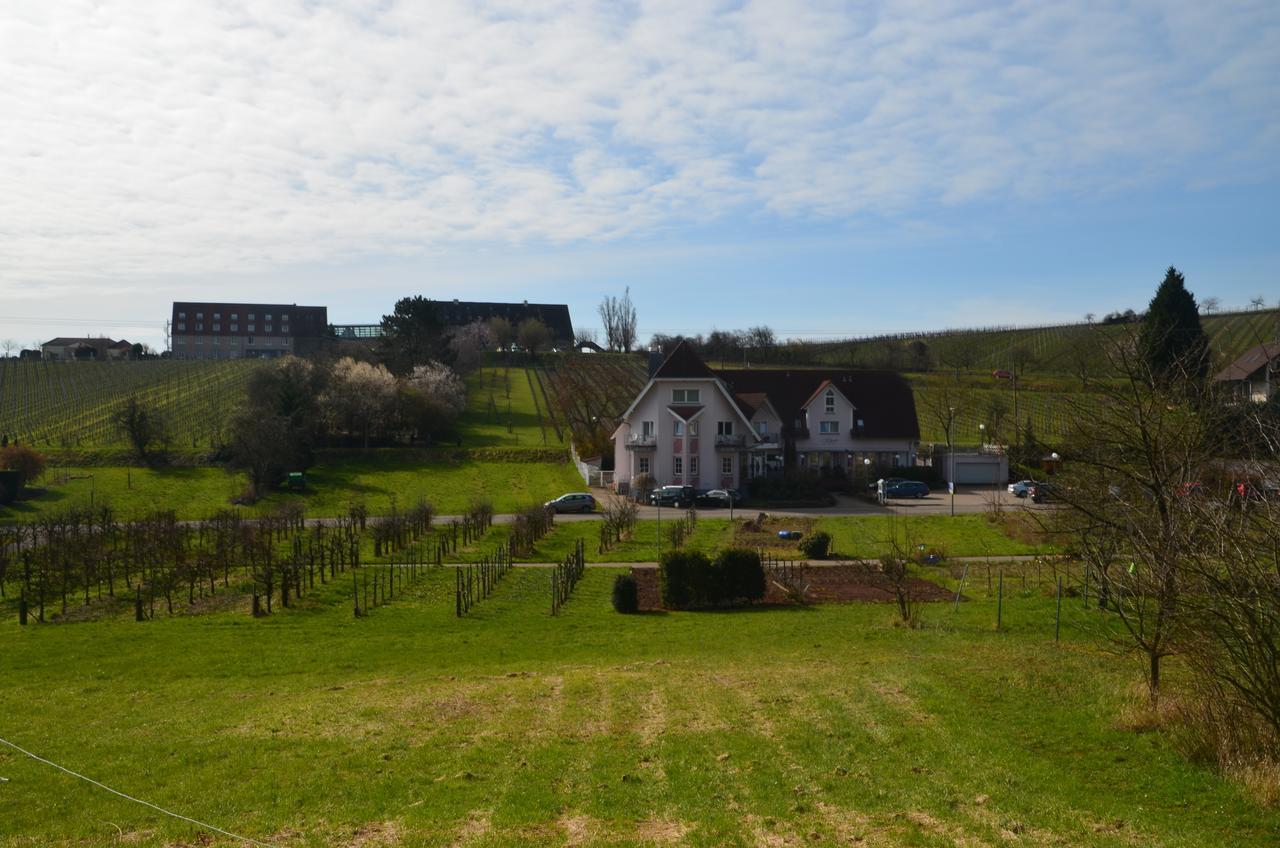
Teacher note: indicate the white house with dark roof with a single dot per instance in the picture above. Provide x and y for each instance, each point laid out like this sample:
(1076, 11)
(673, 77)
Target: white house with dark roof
(1255, 375)
(694, 426)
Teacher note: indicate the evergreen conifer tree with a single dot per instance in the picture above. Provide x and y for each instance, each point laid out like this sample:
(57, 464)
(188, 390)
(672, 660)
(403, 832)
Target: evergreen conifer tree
(1173, 343)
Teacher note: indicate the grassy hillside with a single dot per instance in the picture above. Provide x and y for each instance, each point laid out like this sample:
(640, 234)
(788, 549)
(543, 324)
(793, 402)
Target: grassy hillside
(507, 406)
(69, 405)
(823, 726)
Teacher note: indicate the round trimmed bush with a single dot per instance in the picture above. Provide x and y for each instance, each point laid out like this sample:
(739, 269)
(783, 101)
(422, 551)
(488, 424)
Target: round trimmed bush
(626, 594)
(817, 546)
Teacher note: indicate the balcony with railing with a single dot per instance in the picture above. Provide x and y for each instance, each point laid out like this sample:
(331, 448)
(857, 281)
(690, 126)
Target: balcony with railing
(730, 441)
(640, 441)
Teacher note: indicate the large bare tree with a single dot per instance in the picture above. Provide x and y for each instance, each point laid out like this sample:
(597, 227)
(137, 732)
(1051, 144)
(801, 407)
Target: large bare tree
(618, 316)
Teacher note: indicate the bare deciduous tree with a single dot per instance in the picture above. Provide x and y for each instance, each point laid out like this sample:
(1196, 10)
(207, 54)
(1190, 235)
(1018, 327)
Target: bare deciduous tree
(502, 333)
(533, 336)
(618, 316)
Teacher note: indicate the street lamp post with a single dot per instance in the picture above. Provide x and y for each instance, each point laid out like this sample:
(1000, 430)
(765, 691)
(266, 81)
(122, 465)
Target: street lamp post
(951, 461)
(982, 434)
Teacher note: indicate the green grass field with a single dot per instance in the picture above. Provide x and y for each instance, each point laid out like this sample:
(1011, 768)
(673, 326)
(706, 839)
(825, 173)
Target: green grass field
(505, 408)
(823, 726)
(333, 484)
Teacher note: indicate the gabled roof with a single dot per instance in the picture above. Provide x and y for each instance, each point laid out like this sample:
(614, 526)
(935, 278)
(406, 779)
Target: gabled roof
(822, 388)
(1250, 361)
(883, 398)
(64, 341)
(683, 363)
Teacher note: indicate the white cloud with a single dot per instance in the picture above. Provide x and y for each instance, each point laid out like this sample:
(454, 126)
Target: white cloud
(163, 137)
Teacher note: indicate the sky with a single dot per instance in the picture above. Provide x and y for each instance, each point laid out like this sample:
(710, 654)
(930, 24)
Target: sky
(826, 169)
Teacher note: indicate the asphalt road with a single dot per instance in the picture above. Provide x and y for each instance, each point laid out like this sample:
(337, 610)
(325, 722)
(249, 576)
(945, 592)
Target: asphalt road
(968, 500)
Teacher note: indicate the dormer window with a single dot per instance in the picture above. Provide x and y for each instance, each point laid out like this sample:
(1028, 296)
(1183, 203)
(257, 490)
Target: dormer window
(831, 401)
(686, 396)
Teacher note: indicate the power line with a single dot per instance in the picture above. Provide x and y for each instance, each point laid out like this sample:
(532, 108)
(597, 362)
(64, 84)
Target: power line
(205, 825)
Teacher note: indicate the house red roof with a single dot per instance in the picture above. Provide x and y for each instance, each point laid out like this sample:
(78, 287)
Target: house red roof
(1250, 361)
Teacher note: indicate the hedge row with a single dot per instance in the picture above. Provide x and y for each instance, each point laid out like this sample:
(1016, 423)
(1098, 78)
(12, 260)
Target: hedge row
(689, 580)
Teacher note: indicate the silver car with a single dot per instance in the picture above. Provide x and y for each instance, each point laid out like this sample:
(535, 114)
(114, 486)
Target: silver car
(574, 502)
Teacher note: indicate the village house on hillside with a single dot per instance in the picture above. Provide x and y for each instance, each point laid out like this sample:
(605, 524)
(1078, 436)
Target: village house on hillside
(691, 425)
(102, 348)
(1255, 376)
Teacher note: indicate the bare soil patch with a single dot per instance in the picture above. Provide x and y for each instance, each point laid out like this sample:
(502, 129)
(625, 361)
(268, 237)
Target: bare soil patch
(836, 583)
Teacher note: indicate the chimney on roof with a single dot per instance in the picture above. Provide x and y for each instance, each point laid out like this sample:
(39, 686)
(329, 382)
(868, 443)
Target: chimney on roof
(655, 362)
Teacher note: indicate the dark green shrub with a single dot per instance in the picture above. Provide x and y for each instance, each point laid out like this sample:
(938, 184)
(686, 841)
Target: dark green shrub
(682, 578)
(740, 575)
(626, 594)
(689, 580)
(10, 485)
(816, 546)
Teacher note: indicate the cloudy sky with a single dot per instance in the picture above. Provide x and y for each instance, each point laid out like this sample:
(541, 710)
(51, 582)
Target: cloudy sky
(826, 168)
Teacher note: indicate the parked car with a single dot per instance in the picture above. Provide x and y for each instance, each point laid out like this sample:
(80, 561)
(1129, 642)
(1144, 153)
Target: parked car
(681, 496)
(1042, 493)
(574, 502)
(1021, 488)
(719, 498)
(905, 489)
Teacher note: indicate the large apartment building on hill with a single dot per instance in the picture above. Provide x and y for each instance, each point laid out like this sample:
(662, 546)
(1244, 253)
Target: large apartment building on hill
(240, 330)
(692, 425)
(459, 313)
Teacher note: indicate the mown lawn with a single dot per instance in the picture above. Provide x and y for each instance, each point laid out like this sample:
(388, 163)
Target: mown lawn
(824, 726)
(332, 485)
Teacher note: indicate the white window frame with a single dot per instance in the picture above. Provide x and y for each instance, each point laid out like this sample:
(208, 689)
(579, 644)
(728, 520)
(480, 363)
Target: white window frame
(762, 428)
(724, 428)
(830, 402)
(829, 428)
(693, 466)
(677, 465)
(686, 396)
(726, 465)
(678, 427)
(646, 428)
(642, 464)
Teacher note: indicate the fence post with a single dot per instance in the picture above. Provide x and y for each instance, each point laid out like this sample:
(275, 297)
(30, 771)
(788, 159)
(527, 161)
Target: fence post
(1057, 615)
(1086, 585)
(1000, 601)
(137, 606)
(22, 608)
(355, 594)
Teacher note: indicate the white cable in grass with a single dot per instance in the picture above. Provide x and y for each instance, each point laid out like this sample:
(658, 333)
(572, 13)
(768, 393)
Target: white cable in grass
(205, 825)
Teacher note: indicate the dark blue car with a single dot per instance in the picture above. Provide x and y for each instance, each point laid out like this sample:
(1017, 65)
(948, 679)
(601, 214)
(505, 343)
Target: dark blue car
(905, 489)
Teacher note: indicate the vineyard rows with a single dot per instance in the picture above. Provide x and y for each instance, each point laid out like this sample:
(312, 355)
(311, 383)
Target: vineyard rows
(589, 393)
(1061, 349)
(71, 404)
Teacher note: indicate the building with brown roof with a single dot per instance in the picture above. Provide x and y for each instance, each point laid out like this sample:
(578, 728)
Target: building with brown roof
(1255, 376)
(83, 347)
(692, 425)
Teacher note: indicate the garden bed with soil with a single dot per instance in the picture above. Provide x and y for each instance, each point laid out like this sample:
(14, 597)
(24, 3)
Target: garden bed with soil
(835, 583)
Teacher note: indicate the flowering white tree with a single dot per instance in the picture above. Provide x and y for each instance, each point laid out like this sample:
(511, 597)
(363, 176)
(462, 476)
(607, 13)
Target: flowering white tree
(360, 398)
(468, 344)
(435, 398)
